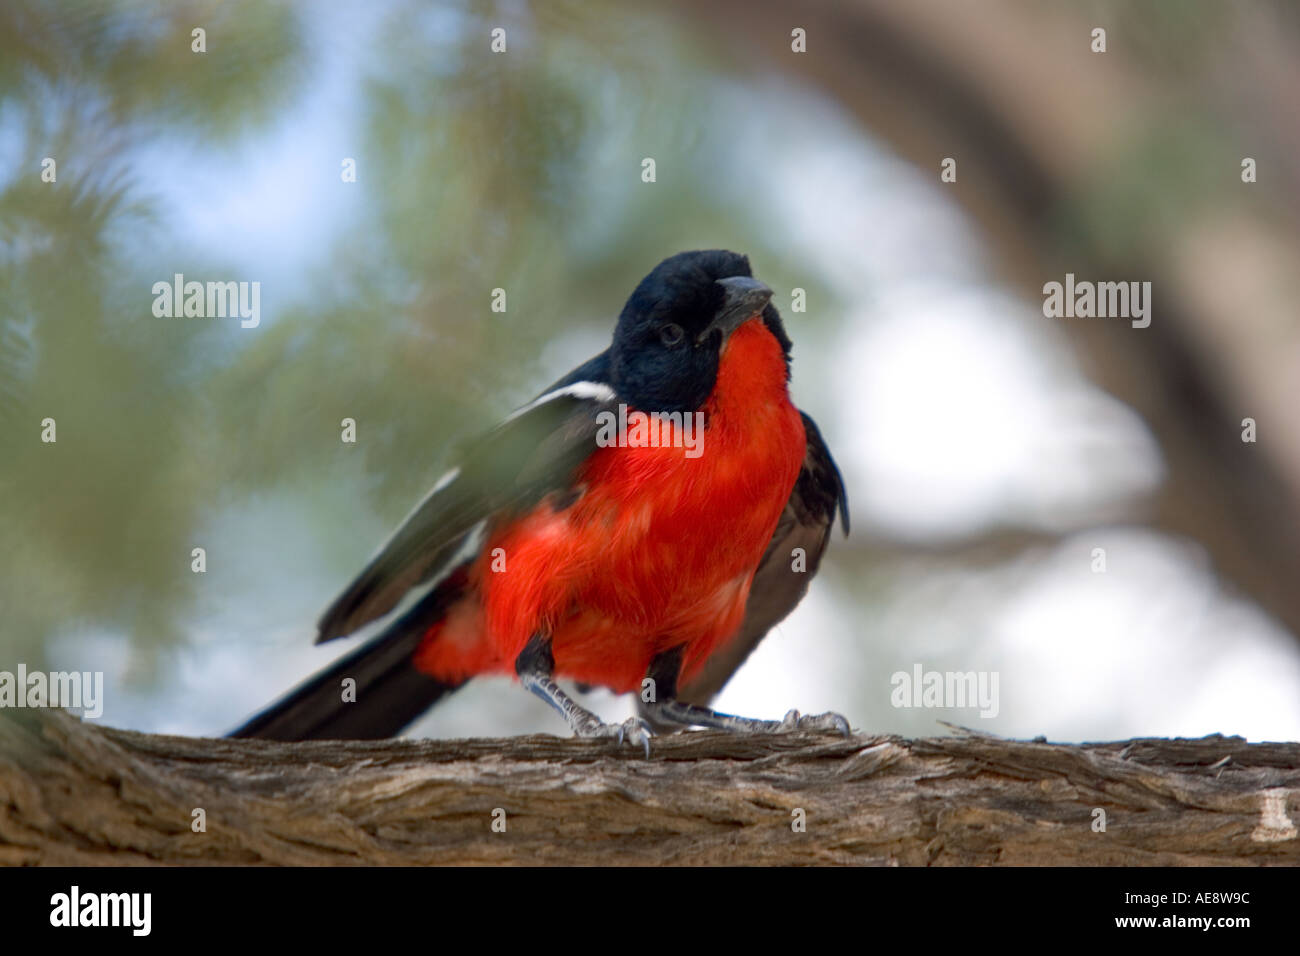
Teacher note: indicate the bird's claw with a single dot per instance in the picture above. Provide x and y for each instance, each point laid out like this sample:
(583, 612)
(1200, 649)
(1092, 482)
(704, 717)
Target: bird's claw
(825, 722)
(632, 731)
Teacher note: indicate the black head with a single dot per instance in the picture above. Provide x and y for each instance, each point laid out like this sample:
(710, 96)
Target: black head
(672, 329)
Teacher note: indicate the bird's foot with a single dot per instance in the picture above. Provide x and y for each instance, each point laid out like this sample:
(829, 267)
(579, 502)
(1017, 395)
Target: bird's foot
(633, 731)
(830, 722)
(674, 713)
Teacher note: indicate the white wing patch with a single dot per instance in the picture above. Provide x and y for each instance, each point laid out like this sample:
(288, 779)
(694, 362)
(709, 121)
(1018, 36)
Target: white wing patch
(597, 391)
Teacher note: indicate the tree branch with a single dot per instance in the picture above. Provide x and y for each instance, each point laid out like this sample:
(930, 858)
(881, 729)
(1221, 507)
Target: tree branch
(75, 793)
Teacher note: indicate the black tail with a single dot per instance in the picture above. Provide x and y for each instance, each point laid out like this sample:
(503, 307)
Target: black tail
(390, 692)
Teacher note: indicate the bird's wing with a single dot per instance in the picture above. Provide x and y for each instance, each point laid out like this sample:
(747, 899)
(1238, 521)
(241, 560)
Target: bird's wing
(806, 523)
(532, 453)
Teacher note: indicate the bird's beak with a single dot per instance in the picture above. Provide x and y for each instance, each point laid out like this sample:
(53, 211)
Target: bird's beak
(744, 299)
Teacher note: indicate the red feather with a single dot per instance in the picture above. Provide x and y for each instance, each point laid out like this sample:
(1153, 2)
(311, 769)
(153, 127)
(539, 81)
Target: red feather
(659, 551)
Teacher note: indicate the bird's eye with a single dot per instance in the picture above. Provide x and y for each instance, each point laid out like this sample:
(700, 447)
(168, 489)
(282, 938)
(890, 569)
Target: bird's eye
(671, 334)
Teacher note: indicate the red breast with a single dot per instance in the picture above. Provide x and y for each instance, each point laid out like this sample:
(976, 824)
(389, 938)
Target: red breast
(658, 551)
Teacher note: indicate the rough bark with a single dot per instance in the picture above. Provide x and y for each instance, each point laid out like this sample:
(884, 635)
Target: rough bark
(75, 793)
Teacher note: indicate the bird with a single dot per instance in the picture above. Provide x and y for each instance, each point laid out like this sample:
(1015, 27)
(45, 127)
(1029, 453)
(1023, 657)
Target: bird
(640, 525)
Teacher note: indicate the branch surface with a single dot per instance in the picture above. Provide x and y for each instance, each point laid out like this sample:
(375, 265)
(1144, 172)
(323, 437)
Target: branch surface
(76, 793)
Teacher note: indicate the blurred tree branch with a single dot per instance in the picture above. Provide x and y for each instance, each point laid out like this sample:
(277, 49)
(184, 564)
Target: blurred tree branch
(74, 793)
(1076, 161)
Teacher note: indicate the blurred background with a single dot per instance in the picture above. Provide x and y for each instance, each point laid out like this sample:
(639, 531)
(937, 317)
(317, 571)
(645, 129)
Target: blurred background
(988, 450)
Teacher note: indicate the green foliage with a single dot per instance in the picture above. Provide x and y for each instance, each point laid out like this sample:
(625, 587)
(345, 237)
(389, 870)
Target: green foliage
(478, 171)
